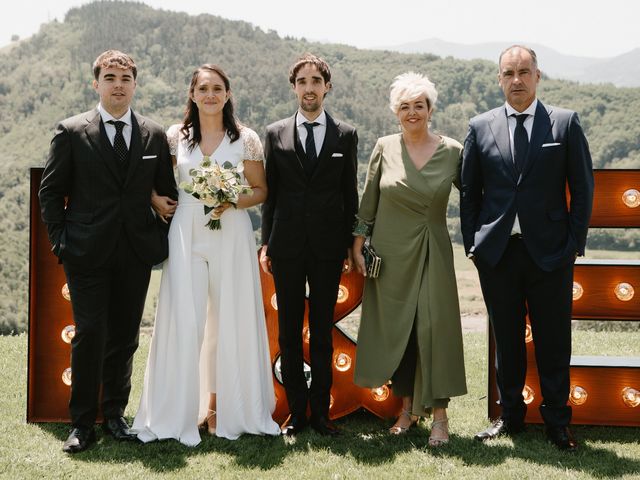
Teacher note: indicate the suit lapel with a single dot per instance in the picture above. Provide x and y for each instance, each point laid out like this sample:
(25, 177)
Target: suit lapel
(541, 126)
(139, 139)
(97, 137)
(287, 137)
(500, 129)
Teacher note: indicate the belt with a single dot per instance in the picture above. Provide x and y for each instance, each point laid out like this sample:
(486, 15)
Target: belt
(516, 236)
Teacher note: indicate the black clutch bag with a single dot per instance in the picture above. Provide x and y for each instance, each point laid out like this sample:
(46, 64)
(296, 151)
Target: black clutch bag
(372, 261)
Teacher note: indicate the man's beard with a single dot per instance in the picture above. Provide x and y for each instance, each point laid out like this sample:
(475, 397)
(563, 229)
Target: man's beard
(310, 107)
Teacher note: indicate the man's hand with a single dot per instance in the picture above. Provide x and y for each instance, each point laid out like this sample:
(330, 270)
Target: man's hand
(265, 261)
(347, 266)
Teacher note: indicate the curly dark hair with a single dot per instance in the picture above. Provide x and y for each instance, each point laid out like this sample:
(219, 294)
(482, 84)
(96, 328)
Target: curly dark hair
(192, 120)
(310, 58)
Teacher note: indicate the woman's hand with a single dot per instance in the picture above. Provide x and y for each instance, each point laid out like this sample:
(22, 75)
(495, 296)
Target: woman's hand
(358, 258)
(219, 210)
(165, 207)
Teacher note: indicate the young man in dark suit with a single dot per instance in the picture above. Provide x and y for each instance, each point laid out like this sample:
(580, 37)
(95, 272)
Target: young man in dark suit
(95, 198)
(311, 162)
(523, 237)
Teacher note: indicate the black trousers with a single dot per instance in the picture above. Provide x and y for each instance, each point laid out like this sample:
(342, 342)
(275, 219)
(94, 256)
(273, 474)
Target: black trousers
(514, 285)
(107, 303)
(290, 278)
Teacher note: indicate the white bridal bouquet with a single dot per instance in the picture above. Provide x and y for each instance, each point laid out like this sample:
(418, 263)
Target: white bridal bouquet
(214, 185)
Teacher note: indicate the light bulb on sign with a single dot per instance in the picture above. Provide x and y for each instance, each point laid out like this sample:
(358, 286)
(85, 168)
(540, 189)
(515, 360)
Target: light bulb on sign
(306, 335)
(343, 294)
(65, 292)
(631, 397)
(624, 291)
(528, 394)
(68, 333)
(631, 198)
(342, 362)
(66, 376)
(578, 395)
(528, 337)
(577, 291)
(380, 394)
(274, 302)
(330, 402)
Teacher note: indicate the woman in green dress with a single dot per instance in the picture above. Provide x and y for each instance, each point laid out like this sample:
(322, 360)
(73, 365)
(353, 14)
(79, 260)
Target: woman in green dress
(410, 329)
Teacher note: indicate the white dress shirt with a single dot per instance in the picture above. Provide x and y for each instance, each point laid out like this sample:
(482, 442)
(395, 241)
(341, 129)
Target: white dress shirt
(528, 126)
(111, 129)
(319, 131)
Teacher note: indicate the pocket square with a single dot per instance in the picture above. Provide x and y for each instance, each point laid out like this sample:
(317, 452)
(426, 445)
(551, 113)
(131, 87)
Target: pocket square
(555, 144)
(337, 154)
(145, 157)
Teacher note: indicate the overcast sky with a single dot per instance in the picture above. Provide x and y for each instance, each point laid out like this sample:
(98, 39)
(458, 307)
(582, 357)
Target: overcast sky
(594, 28)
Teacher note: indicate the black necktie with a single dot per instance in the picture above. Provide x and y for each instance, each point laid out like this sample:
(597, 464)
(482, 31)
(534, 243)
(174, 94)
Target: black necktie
(119, 145)
(520, 142)
(310, 144)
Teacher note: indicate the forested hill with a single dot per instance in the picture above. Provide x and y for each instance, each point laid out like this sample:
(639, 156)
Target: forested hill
(48, 77)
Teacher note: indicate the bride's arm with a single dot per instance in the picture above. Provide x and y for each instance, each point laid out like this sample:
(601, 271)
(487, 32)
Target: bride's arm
(254, 174)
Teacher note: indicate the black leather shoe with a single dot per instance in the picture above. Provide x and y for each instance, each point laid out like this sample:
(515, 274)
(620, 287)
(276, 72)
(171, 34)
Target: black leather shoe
(324, 426)
(562, 438)
(118, 429)
(293, 425)
(499, 427)
(79, 439)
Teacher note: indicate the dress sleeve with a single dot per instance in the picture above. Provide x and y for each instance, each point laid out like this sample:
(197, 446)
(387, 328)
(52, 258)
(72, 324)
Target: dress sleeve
(458, 157)
(252, 147)
(366, 216)
(173, 134)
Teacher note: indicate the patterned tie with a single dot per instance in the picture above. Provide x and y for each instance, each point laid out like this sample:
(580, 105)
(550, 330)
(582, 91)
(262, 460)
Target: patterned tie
(119, 144)
(310, 145)
(520, 142)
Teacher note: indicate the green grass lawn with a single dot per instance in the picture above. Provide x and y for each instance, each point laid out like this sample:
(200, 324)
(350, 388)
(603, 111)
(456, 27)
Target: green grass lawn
(363, 451)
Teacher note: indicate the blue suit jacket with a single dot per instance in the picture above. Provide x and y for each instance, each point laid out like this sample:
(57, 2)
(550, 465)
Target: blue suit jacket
(553, 230)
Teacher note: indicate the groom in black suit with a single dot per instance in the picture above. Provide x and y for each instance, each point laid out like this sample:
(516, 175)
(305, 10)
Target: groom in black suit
(523, 237)
(95, 197)
(311, 162)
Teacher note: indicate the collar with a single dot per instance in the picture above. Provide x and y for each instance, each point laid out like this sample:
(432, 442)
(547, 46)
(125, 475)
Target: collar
(321, 120)
(531, 109)
(106, 116)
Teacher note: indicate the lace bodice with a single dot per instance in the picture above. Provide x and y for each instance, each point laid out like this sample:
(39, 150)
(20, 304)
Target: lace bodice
(247, 147)
(248, 138)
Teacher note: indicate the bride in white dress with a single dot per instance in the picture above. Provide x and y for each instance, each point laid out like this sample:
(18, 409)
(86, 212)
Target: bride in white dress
(209, 361)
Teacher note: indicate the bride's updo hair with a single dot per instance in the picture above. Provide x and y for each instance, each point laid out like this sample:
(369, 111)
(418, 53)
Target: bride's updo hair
(191, 122)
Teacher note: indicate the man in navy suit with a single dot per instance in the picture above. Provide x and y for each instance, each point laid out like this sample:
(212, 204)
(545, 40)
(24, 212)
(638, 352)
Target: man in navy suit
(523, 237)
(311, 161)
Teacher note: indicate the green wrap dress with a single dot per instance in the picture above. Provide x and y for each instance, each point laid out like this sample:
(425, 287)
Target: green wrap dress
(416, 291)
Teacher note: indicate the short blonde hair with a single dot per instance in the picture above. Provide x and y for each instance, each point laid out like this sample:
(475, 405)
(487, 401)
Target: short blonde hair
(409, 86)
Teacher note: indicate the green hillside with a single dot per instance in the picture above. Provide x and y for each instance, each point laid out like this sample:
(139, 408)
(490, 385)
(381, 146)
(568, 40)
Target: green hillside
(48, 77)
